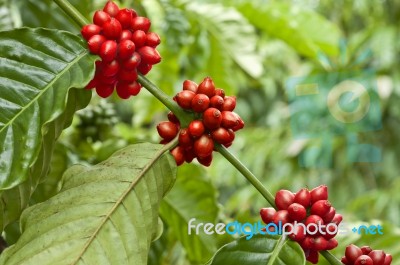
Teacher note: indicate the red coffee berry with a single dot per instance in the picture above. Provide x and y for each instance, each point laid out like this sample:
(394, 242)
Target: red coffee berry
(313, 219)
(196, 128)
(345, 261)
(110, 69)
(95, 43)
(267, 214)
(203, 146)
(122, 90)
(112, 29)
(217, 102)
(313, 257)
(132, 62)
(352, 253)
(144, 68)
(127, 75)
(320, 243)
(126, 34)
(283, 199)
(212, 118)
(133, 87)
(111, 8)
(229, 119)
(104, 90)
(388, 259)
(124, 16)
(297, 212)
(281, 216)
(329, 216)
(101, 17)
(377, 256)
(109, 80)
(126, 48)
(139, 38)
(337, 219)
(184, 99)
(90, 30)
(240, 123)
(206, 87)
(200, 102)
(319, 193)
(298, 234)
(229, 103)
(190, 155)
(303, 197)
(149, 55)
(108, 50)
(321, 207)
(308, 243)
(178, 153)
(93, 83)
(190, 85)
(332, 243)
(140, 23)
(364, 260)
(205, 161)
(221, 135)
(185, 139)
(167, 130)
(152, 39)
(220, 92)
(366, 250)
(173, 118)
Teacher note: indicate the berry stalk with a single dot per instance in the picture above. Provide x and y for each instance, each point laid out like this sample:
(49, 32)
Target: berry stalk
(72, 12)
(330, 258)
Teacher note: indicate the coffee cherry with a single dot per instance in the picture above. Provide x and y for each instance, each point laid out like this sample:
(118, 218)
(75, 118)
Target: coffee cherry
(303, 197)
(112, 30)
(364, 260)
(122, 90)
(144, 68)
(178, 153)
(267, 214)
(203, 146)
(388, 259)
(229, 104)
(217, 102)
(332, 243)
(297, 212)
(172, 117)
(111, 8)
(126, 34)
(167, 130)
(127, 75)
(190, 85)
(133, 87)
(152, 39)
(104, 90)
(337, 219)
(212, 118)
(196, 128)
(281, 216)
(189, 155)
(109, 80)
(92, 83)
(139, 38)
(229, 119)
(110, 69)
(220, 92)
(124, 16)
(221, 136)
(184, 138)
(95, 43)
(308, 243)
(283, 199)
(352, 253)
(200, 103)
(320, 243)
(345, 261)
(206, 87)
(313, 257)
(140, 23)
(184, 99)
(132, 62)
(329, 216)
(321, 207)
(377, 256)
(126, 49)
(299, 234)
(101, 17)
(205, 161)
(90, 30)
(366, 250)
(149, 55)
(108, 50)
(313, 219)
(319, 193)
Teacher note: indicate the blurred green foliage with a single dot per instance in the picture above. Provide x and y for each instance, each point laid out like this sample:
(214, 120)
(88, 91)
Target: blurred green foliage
(250, 48)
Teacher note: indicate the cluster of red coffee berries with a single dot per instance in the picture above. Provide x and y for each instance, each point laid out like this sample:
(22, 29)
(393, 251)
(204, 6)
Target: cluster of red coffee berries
(215, 122)
(312, 209)
(123, 41)
(365, 256)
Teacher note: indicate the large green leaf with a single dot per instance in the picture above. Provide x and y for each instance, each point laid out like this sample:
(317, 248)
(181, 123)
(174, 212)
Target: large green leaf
(260, 249)
(305, 30)
(104, 214)
(193, 196)
(39, 71)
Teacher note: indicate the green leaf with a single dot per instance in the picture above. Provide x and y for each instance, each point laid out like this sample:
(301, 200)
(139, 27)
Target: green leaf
(303, 29)
(193, 196)
(39, 71)
(104, 214)
(260, 249)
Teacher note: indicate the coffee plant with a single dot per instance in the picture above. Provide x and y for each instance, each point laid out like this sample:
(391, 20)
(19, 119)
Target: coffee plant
(80, 187)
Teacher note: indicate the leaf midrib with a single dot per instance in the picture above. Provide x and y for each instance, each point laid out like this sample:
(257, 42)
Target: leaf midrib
(46, 88)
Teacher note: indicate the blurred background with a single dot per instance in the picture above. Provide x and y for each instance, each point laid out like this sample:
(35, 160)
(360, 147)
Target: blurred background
(251, 48)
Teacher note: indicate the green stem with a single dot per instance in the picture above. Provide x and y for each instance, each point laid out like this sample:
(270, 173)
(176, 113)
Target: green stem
(72, 12)
(330, 258)
(247, 174)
